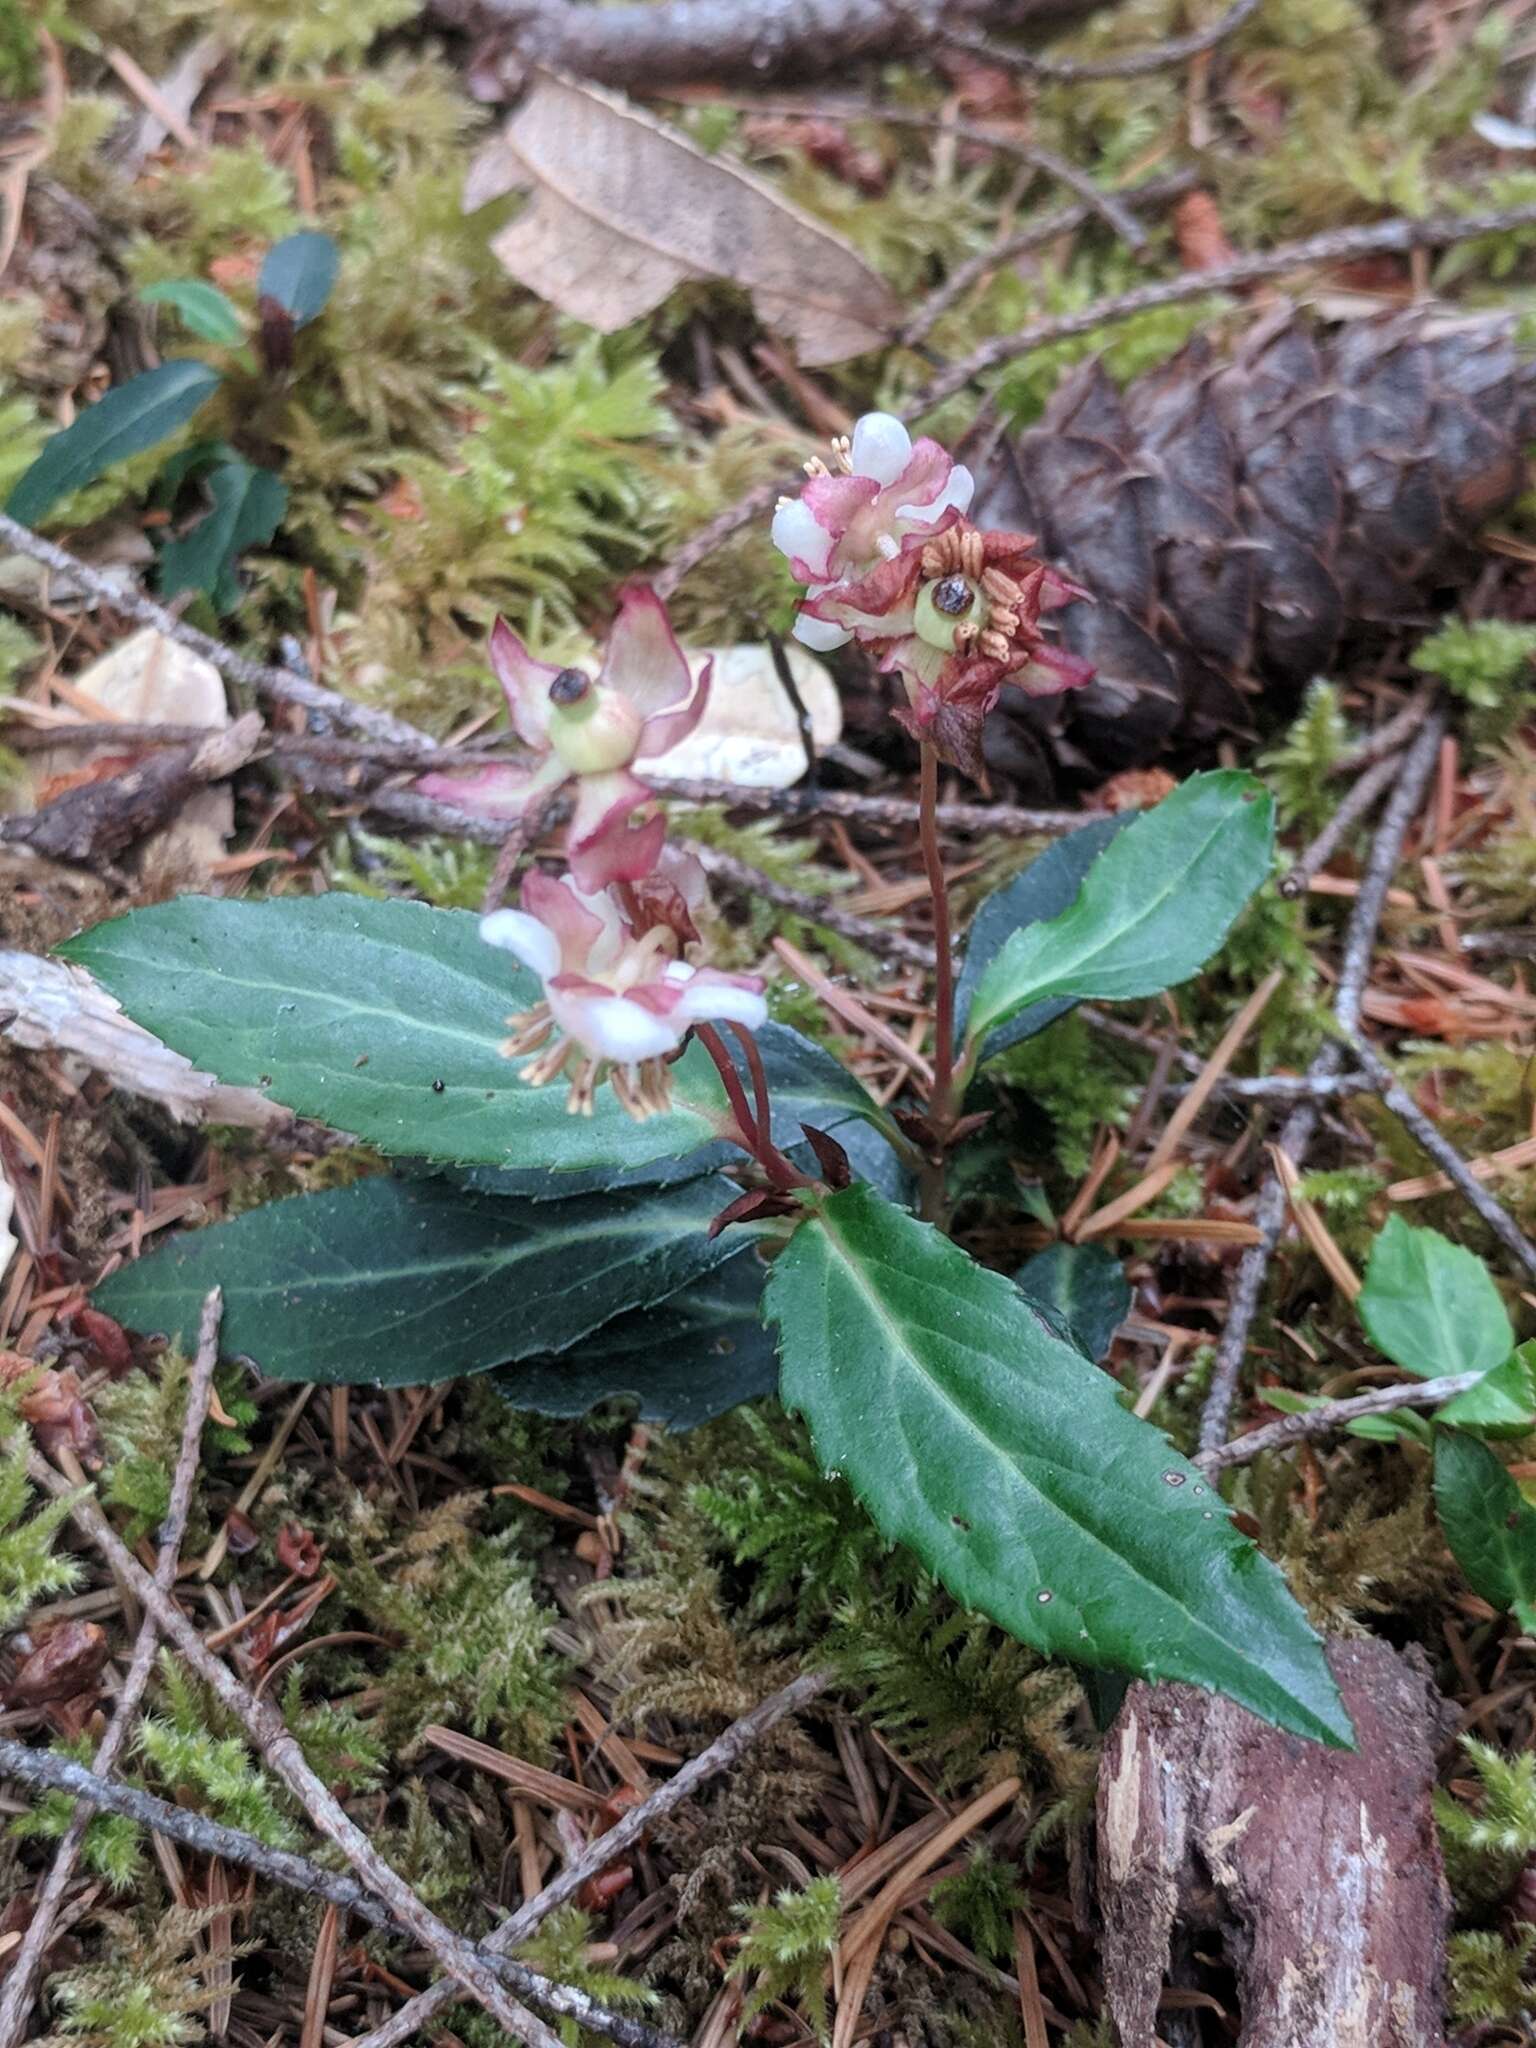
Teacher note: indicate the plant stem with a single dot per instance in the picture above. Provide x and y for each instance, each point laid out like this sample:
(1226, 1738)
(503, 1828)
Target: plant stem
(775, 1165)
(748, 1135)
(940, 1103)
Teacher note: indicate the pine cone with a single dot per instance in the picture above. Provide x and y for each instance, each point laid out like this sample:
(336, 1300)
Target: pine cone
(1244, 523)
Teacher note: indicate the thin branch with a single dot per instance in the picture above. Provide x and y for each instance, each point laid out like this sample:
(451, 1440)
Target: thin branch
(1311, 1422)
(1136, 64)
(277, 1748)
(897, 812)
(1045, 227)
(286, 685)
(1337, 245)
(1444, 1154)
(1361, 798)
(642, 47)
(1359, 941)
(21, 1984)
(47, 1770)
(607, 1848)
(1389, 738)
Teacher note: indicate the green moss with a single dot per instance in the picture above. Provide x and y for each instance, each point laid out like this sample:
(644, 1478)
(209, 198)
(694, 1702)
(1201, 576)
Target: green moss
(1078, 1078)
(786, 1951)
(1493, 1980)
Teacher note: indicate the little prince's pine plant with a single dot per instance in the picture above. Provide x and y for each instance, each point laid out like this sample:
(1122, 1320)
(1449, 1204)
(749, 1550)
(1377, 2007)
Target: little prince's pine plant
(618, 1234)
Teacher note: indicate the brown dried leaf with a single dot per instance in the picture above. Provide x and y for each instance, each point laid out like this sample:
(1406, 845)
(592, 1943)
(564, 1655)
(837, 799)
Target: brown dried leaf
(624, 209)
(69, 1661)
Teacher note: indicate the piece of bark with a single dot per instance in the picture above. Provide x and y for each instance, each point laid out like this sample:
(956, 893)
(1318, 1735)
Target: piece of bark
(100, 820)
(1319, 1869)
(48, 1007)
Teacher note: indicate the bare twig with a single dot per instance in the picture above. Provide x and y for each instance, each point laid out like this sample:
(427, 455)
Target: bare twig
(1360, 938)
(1109, 206)
(1361, 798)
(1034, 234)
(48, 1770)
(1279, 1087)
(724, 1750)
(678, 41)
(883, 940)
(1337, 245)
(1135, 64)
(1501, 945)
(1388, 738)
(278, 1749)
(21, 1984)
(1444, 1154)
(283, 684)
(1311, 1422)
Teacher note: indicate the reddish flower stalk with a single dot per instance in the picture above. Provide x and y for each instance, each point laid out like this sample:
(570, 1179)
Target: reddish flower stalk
(940, 1105)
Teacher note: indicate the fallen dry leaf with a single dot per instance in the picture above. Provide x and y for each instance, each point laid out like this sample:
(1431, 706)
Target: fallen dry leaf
(65, 1663)
(624, 209)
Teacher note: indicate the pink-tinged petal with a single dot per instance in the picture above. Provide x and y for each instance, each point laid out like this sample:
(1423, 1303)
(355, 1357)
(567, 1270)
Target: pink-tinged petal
(873, 606)
(1051, 671)
(731, 998)
(955, 496)
(623, 853)
(643, 660)
(608, 1026)
(836, 501)
(575, 926)
(796, 532)
(881, 447)
(525, 683)
(502, 790)
(668, 728)
(519, 933)
(820, 635)
(602, 802)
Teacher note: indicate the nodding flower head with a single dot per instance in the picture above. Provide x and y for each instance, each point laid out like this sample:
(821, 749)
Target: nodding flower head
(591, 731)
(619, 998)
(888, 495)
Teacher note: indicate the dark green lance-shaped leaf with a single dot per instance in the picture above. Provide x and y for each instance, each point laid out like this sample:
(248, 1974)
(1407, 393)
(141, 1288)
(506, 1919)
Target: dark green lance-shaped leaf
(299, 273)
(1488, 1523)
(1008, 1464)
(247, 506)
(131, 417)
(1503, 1403)
(689, 1358)
(1085, 1286)
(202, 306)
(385, 1019)
(1046, 888)
(400, 1282)
(1156, 904)
(1431, 1306)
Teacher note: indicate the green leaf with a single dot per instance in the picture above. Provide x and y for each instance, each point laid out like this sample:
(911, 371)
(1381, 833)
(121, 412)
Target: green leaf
(398, 1283)
(1430, 1305)
(1046, 888)
(130, 418)
(1488, 1523)
(385, 1019)
(1085, 1286)
(1009, 1465)
(1503, 1403)
(1155, 906)
(202, 306)
(247, 507)
(299, 273)
(686, 1360)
